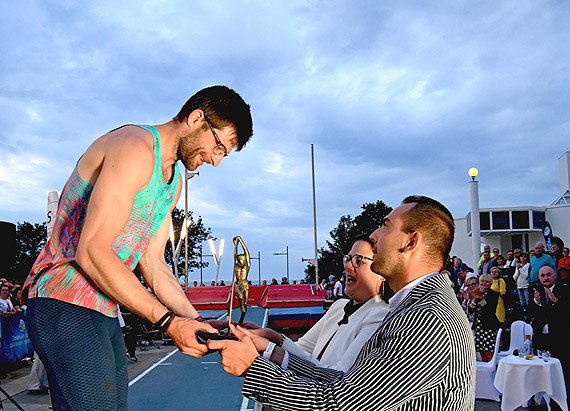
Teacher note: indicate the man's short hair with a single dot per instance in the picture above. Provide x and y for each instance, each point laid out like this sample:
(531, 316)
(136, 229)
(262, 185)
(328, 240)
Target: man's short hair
(222, 107)
(434, 221)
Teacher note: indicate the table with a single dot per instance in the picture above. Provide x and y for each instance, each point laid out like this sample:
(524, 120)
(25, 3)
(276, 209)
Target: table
(519, 379)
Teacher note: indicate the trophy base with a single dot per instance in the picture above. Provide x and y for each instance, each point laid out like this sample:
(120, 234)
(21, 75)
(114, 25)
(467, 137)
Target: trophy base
(203, 336)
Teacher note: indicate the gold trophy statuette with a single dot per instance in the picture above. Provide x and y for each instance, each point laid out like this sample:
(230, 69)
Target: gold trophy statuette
(242, 264)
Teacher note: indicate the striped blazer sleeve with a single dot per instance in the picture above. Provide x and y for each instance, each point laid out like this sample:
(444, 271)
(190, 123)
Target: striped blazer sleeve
(421, 359)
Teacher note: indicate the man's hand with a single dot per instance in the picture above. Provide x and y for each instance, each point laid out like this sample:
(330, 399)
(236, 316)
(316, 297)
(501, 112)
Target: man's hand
(183, 332)
(536, 296)
(550, 295)
(237, 356)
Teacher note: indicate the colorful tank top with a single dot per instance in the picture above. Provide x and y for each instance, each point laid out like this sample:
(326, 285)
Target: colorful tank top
(56, 274)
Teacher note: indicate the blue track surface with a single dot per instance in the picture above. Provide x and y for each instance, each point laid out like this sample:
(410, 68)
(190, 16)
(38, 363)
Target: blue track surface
(182, 382)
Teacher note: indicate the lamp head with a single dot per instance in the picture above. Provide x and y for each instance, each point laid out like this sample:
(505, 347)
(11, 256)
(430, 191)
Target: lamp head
(473, 172)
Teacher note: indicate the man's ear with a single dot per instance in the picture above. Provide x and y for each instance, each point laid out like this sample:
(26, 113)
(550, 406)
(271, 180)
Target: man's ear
(413, 241)
(194, 117)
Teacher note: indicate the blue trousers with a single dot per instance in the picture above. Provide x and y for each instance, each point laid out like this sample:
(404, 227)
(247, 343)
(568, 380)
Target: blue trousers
(84, 355)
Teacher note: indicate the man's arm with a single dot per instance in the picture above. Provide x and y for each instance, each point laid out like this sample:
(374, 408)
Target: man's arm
(126, 168)
(380, 381)
(158, 275)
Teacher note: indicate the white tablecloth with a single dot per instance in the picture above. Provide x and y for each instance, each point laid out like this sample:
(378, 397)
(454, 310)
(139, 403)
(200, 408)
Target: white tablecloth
(519, 379)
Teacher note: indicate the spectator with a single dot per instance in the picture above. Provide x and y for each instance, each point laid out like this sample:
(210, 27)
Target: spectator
(302, 281)
(539, 260)
(496, 253)
(485, 249)
(500, 261)
(213, 283)
(17, 299)
(6, 306)
(222, 284)
(337, 289)
(460, 270)
(521, 277)
(487, 263)
(483, 304)
(264, 282)
(274, 281)
(195, 283)
(500, 287)
(511, 261)
(294, 282)
(463, 295)
(531, 254)
(284, 281)
(310, 279)
(518, 253)
(551, 313)
(556, 254)
(564, 266)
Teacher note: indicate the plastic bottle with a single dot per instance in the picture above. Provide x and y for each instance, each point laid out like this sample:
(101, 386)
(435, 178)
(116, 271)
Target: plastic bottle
(527, 345)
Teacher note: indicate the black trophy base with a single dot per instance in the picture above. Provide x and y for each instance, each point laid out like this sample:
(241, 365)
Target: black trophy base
(203, 336)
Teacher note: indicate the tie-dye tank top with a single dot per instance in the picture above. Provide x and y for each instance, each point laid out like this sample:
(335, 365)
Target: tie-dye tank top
(56, 274)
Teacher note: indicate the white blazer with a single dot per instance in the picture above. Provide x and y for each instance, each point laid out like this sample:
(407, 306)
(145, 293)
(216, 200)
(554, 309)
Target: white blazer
(346, 341)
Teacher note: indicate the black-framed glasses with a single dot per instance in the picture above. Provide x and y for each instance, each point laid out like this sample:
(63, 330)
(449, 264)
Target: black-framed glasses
(220, 149)
(356, 259)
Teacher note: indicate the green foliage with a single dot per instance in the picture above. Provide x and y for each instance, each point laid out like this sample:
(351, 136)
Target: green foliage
(343, 235)
(30, 239)
(197, 234)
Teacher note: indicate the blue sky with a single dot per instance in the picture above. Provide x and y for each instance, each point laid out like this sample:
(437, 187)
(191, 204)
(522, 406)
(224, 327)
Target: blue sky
(398, 98)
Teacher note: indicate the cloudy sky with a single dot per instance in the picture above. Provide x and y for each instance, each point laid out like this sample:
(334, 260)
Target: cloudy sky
(398, 98)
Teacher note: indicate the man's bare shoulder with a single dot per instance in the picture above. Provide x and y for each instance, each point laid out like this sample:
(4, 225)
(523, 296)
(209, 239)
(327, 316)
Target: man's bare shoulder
(131, 146)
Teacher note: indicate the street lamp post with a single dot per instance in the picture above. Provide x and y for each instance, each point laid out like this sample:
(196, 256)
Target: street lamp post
(287, 254)
(187, 176)
(475, 223)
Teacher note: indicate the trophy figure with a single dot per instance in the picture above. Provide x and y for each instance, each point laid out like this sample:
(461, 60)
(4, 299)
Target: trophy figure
(242, 264)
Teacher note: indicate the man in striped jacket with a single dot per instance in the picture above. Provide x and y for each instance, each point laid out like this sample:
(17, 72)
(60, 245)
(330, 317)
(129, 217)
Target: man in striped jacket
(421, 358)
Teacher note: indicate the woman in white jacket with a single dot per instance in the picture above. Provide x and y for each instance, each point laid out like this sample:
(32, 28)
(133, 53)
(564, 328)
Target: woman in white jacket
(337, 338)
(521, 278)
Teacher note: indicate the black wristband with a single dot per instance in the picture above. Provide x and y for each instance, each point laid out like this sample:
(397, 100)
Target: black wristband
(165, 326)
(160, 323)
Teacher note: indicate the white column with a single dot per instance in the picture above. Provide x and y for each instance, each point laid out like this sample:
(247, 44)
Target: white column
(475, 223)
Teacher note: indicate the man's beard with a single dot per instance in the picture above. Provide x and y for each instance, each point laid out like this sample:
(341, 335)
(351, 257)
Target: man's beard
(188, 149)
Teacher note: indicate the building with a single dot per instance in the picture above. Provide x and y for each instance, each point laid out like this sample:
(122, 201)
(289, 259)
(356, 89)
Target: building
(507, 228)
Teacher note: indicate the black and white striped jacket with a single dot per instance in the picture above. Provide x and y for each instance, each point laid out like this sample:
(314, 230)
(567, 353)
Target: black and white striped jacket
(421, 358)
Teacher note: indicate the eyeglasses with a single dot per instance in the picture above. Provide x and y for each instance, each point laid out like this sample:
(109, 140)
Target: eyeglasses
(356, 260)
(220, 149)
(472, 284)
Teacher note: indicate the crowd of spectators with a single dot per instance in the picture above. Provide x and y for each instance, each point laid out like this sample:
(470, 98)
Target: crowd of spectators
(10, 298)
(531, 287)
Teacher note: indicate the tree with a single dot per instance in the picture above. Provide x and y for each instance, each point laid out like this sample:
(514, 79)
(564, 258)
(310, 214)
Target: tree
(197, 234)
(343, 235)
(30, 239)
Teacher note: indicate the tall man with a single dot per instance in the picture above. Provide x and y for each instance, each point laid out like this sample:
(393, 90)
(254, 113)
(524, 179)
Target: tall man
(540, 259)
(114, 215)
(421, 358)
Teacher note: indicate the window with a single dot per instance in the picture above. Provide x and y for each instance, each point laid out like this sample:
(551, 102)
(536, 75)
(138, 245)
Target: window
(520, 220)
(501, 220)
(484, 220)
(538, 218)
